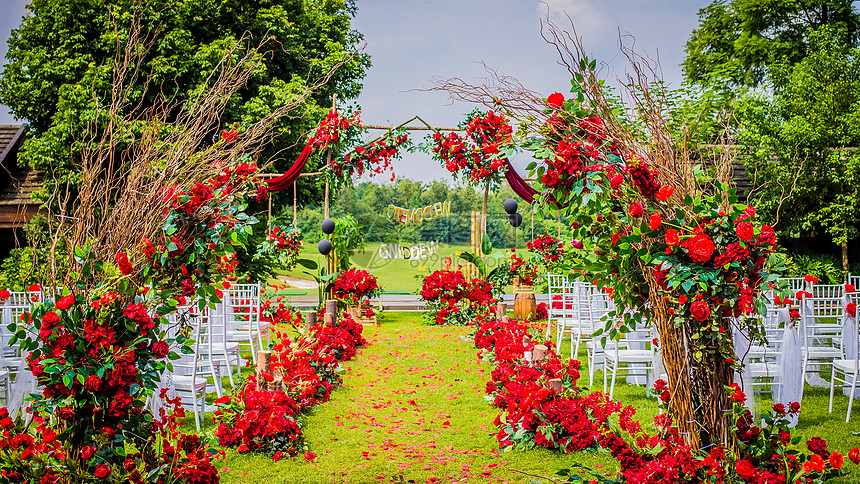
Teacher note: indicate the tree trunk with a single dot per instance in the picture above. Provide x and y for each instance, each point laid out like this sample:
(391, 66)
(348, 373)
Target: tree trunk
(699, 403)
(845, 260)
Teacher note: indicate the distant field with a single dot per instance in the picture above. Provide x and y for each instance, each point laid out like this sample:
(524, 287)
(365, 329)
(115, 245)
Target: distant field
(397, 274)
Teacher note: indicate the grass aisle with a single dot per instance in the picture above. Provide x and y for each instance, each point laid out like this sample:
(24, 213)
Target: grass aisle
(411, 409)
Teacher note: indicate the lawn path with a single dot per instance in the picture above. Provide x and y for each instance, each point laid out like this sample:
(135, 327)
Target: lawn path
(411, 410)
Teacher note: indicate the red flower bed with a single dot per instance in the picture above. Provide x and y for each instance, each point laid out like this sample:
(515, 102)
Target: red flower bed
(265, 421)
(565, 419)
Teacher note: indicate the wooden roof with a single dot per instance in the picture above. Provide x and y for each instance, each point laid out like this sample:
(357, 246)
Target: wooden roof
(17, 183)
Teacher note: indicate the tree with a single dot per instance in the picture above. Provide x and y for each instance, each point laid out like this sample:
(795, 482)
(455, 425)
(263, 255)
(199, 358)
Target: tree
(802, 138)
(61, 64)
(737, 41)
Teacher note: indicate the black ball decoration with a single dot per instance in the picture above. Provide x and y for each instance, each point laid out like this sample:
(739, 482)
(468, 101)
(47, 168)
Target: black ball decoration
(328, 226)
(324, 246)
(510, 206)
(515, 219)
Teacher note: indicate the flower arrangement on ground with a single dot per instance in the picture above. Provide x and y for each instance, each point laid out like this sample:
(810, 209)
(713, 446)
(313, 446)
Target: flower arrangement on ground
(454, 300)
(356, 286)
(524, 272)
(253, 419)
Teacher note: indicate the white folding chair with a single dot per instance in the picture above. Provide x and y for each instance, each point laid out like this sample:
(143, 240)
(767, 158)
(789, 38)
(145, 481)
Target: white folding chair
(820, 334)
(845, 369)
(189, 377)
(630, 350)
(567, 321)
(555, 288)
(242, 316)
(594, 309)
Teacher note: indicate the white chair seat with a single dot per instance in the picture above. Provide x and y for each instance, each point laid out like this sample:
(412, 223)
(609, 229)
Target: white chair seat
(823, 352)
(764, 370)
(187, 383)
(847, 366)
(631, 356)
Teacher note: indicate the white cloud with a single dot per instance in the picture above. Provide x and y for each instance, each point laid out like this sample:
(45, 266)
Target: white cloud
(588, 20)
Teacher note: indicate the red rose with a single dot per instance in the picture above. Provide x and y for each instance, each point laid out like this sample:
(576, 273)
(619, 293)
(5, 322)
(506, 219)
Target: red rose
(87, 452)
(701, 248)
(124, 265)
(655, 220)
(836, 460)
(129, 465)
(672, 237)
(102, 471)
(555, 100)
(745, 231)
(242, 448)
(224, 400)
(635, 209)
(854, 455)
(160, 349)
(665, 192)
(4, 294)
(737, 394)
(309, 456)
(851, 309)
(811, 278)
(92, 383)
(50, 319)
(815, 463)
(848, 288)
(700, 310)
(65, 302)
(34, 288)
(744, 469)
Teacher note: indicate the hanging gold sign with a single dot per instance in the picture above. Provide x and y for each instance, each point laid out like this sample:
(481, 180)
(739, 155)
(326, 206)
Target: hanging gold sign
(418, 215)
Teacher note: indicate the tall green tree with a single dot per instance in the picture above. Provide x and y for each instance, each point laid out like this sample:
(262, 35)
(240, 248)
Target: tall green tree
(803, 133)
(738, 40)
(60, 66)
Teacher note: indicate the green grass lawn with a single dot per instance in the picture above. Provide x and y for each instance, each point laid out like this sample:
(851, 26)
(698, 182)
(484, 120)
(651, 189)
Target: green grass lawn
(412, 410)
(398, 274)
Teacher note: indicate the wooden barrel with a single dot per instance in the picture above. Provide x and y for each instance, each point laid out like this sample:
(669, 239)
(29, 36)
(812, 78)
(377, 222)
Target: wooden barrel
(524, 306)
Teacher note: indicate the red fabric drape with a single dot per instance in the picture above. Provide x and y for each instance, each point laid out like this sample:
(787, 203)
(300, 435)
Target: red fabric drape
(284, 181)
(518, 185)
(521, 188)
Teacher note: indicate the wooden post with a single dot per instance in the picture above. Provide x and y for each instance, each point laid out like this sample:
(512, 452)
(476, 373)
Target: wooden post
(270, 212)
(264, 363)
(539, 353)
(331, 307)
(555, 384)
(295, 205)
(501, 310)
(484, 212)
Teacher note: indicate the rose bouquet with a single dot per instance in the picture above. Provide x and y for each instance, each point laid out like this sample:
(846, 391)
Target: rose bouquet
(282, 243)
(356, 286)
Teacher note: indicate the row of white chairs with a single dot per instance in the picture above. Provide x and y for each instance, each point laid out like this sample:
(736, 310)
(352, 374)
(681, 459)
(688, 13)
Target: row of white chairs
(220, 336)
(825, 340)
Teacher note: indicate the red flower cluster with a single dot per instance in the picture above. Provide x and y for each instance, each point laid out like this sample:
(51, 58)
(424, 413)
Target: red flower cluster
(526, 270)
(453, 300)
(550, 249)
(265, 421)
(478, 154)
(375, 156)
(355, 286)
(332, 128)
(285, 243)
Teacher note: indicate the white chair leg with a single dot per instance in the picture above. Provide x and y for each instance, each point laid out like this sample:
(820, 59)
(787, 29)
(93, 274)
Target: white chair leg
(832, 388)
(605, 371)
(851, 399)
(614, 374)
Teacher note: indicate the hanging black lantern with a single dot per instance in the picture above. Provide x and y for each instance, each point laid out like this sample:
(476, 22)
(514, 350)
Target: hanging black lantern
(328, 226)
(511, 206)
(324, 246)
(515, 219)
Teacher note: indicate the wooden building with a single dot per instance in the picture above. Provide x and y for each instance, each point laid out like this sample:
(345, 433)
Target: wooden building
(17, 183)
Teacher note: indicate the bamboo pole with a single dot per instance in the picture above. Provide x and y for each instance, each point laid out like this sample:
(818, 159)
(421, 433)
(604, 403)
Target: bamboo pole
(295, 206)
(269, 220)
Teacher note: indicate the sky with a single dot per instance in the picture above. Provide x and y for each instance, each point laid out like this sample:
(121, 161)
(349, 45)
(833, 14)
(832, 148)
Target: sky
(411, 42)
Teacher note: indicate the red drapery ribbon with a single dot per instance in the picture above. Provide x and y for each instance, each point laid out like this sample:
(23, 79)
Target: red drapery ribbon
(284, 181)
